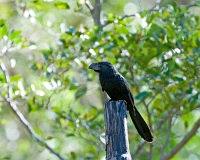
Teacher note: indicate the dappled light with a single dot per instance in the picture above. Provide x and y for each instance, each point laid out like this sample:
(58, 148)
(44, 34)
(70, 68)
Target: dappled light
(52, 105)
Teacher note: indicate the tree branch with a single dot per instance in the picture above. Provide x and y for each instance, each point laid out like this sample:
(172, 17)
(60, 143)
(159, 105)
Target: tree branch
(21, 117)
(29, 128)
(95, 11)
(89, 5)
(139, 149)
(190, 5)
(167, 137)
(148, 113)
(7, 78)
(154, 8)
(183, 142)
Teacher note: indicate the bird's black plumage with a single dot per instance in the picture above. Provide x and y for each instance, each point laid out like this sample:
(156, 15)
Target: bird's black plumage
(117, 88)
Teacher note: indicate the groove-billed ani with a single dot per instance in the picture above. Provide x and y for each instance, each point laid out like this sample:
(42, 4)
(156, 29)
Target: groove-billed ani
(117, 88)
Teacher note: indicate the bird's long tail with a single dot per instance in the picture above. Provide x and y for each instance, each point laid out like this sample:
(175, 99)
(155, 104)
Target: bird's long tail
(141, 125)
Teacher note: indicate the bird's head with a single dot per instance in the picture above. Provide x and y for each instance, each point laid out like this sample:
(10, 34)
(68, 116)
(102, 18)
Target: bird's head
(102, 67)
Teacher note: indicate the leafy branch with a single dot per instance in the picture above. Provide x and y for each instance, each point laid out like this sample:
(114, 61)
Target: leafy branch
(154, 8)
(96, 11)
(187, 137)
(13, 106)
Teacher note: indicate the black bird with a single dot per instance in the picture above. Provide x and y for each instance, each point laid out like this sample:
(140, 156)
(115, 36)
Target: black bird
(117, 88)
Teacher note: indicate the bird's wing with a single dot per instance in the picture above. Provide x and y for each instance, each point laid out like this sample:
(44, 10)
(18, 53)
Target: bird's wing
(125, 90)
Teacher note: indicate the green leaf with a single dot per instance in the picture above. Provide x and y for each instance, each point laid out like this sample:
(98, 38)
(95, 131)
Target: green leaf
(79, 5)
(50, 137)
(2, 78)
(15, 77)
(171, 65)
(3, 31)
(18, 41)
(71, 124)
(157, 103)
(186, 124)
(2, 22)
(91, 115)
(73, 155)
(14, 35)
(35, 66)
(180, 79)
(61, 5)
(194, 98)
(70, 135)
(197, 2)
(47, 53)
(56, 109)
(142, 95)
(73, 87)
(81, 91)
(37, 4)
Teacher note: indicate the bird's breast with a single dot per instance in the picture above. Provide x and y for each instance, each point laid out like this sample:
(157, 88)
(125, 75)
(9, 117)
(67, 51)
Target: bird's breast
(108, 83)
(112, 87)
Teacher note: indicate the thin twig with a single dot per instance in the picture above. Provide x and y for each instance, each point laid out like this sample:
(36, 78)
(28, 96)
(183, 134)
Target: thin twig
(151, 151)
(7, 78)
(92, 132)
(157, 4)
(148, 113)
(21, 117)
(139, 148)
(150, 125)
(84, 125)
(154, 96)
(183, 141)
(89, 5)
(49, 100)
(88, 140)
(169, 113)
(167, 137)
(154, 8)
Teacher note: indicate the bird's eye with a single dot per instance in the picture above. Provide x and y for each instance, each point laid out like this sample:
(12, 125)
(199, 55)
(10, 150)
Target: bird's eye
(100, 66)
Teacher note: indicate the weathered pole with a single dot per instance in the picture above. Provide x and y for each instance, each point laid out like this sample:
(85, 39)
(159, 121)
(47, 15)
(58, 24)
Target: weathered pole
(117, 146)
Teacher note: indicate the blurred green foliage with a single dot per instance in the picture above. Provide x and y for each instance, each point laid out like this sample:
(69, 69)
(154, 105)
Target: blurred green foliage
(47, 46)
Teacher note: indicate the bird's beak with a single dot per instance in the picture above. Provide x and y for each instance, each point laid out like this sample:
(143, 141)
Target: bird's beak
(94, 66)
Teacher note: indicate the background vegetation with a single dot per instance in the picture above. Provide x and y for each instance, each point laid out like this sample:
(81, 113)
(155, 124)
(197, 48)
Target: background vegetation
(51, 105)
